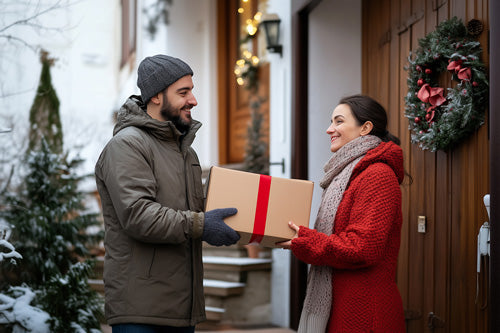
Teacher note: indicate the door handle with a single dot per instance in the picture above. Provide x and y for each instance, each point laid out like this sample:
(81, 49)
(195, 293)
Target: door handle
(282, 163)
(434, 321)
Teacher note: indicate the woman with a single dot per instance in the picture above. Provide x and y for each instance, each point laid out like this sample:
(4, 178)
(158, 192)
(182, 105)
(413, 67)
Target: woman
(354, 247)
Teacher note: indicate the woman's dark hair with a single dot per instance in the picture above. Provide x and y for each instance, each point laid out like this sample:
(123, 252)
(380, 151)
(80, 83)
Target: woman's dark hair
(365, 108)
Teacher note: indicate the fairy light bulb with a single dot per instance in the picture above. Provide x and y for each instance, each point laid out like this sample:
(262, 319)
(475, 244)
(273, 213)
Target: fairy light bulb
(255, 60)
(251, 28)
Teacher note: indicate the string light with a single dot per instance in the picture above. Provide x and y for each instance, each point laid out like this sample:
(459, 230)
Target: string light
(251, 28)
(241, 10)
(247, 54)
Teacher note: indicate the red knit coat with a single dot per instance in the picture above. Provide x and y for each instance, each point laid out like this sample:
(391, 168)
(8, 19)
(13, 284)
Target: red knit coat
(363, 248)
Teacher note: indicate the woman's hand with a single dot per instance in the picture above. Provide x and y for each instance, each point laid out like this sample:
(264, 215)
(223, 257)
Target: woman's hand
(288, 244)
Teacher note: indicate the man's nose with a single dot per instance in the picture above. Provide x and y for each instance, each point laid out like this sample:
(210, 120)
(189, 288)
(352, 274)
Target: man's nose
(193, 100)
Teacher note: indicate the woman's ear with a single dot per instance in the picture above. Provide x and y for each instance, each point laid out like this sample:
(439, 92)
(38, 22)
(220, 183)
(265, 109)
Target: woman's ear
(366, 128)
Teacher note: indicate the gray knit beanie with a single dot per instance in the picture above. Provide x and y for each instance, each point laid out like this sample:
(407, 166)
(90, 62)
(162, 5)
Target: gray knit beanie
(158, 72)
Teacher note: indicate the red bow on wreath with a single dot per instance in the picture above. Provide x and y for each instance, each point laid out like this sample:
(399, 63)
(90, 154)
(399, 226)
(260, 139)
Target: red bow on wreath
(433, 96)
(462, 73)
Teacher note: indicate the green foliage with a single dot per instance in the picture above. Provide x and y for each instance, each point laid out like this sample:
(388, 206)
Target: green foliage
(440, 127)
(49, 229)
(73, 306)
(256, 155)
(45, 121)
(50, 225)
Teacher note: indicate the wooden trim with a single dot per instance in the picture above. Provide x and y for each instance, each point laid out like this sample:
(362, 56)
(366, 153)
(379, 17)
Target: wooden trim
(300, 27)
(129, 42)
(223, 77)
(494, 296)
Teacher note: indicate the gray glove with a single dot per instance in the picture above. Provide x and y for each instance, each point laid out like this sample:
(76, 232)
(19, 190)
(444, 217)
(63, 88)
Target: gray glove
(215, 231)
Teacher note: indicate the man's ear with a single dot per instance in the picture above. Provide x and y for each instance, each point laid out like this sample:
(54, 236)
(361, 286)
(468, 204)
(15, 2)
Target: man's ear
(156, 99)
(366, 128)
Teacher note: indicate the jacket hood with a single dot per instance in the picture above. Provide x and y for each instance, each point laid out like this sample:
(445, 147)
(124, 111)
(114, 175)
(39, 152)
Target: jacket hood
(133, 113)
(386, 152)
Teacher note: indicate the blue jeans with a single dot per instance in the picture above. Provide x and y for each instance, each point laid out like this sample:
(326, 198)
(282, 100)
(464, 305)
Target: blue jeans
(144, 328)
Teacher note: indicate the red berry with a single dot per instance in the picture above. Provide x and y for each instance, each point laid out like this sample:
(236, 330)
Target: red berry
(420, 82)
(428, 71)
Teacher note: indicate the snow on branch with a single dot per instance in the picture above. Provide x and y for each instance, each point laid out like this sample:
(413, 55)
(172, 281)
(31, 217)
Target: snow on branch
(11, 254)
(18, 311)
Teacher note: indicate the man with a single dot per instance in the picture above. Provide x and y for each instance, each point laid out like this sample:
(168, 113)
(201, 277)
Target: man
(149, 180)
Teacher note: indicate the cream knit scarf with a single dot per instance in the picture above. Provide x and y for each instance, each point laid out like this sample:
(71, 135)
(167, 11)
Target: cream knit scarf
(338, 170)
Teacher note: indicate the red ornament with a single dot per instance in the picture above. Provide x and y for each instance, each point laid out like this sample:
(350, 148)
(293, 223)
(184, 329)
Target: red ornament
(417, 120)
(420, 82)
(475, 84)
(428, 71)
(418, 68)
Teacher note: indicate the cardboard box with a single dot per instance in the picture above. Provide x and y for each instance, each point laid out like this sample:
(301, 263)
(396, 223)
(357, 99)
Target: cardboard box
(265, 204)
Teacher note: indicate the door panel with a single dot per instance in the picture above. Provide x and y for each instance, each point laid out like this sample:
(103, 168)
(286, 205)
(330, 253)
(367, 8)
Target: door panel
(436, 269)
(234, 100)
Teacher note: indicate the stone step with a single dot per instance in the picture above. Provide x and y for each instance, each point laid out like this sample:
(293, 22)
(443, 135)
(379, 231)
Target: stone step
(236, 264)
(222, 288)
(97, 285)
(214, 313)
(233, 269)
(224, 251)
(98, 268)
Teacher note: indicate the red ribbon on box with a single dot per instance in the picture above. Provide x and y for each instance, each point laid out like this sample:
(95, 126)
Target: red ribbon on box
(259, 225)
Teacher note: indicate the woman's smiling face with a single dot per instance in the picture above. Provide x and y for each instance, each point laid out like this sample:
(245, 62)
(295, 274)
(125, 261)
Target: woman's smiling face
(344, 127)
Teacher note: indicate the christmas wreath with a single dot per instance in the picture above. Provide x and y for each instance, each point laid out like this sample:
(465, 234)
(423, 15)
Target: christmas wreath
(439, 117)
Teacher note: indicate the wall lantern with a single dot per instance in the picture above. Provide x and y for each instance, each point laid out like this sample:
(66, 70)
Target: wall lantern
(271, 25)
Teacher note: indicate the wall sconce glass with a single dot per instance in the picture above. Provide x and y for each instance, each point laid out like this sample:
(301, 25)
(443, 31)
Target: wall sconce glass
(271, 25)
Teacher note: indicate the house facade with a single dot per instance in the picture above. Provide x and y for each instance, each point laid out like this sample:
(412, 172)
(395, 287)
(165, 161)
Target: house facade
(330, 48)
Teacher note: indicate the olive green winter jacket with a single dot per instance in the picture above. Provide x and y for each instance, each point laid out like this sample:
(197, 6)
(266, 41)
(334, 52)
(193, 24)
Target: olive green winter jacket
(149, 180)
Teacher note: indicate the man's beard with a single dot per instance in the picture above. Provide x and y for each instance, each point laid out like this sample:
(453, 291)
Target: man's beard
(169, 113)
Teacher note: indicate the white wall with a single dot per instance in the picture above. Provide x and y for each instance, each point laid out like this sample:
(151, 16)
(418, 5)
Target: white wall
(334, 72)
(87, 75)
(192, 36)
(85, 44)
(280, 149)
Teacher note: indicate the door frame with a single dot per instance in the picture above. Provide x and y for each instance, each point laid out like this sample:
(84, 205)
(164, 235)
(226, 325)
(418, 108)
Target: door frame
(299, 169)
(494, 113)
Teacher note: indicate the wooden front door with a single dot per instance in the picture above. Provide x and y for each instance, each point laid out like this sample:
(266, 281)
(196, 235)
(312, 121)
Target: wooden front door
(234, 100)
(437, 269)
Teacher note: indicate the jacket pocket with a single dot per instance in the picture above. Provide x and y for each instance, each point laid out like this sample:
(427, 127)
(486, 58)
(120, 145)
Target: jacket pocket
(143, 258)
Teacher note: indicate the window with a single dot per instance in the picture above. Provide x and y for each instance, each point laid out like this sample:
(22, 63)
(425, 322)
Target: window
(129, 26)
